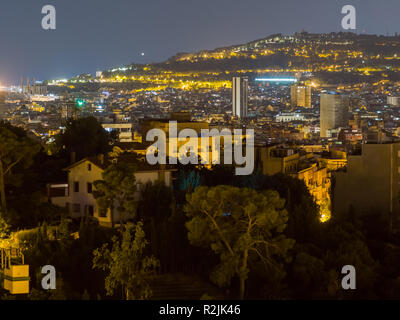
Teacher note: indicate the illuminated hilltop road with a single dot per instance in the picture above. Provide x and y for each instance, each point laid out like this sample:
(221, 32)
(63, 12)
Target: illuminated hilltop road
(277, 80)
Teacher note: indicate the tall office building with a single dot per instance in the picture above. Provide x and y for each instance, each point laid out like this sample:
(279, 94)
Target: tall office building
(240, 93)
(300, 96)
(334, 112)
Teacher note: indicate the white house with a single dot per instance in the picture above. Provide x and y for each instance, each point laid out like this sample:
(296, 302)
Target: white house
(77, 194)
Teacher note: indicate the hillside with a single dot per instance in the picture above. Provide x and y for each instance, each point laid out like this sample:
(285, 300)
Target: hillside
(332, 58)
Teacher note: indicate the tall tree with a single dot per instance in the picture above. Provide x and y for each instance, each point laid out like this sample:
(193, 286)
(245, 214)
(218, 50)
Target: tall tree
(84, 136)
(15, 149)
(117, 190)
(154, 208)
(126, 263)
(238, 224)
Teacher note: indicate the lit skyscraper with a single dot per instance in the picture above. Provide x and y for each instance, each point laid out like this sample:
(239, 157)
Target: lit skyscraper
(300, 96)
(334, 109)
(240, 93)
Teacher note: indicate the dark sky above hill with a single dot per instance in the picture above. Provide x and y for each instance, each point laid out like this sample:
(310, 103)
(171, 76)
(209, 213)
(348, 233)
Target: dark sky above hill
(98, 34)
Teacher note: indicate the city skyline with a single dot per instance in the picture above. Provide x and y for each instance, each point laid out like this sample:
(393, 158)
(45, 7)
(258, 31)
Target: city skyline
(199, 151)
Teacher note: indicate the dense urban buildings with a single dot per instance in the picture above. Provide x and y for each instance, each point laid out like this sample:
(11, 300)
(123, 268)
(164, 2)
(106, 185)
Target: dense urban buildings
(323, 109)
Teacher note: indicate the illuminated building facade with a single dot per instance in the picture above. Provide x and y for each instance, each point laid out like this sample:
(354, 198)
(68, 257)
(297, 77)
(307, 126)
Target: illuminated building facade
(316, 177)
(123, 130)
(275, 160)
(300, 96)
(333, 112)
(393, 101)
(318, 182)
(240, 93)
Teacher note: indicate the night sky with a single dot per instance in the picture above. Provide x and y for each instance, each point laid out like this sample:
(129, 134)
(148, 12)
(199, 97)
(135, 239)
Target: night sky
(97, 34)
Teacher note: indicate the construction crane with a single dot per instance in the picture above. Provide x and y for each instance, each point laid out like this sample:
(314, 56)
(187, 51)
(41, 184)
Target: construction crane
(14, 273)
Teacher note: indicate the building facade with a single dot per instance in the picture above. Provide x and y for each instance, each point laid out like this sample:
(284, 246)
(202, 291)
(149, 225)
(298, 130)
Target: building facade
(334, 113)
(77, 194)
(371, 182)
(393, 101)
(300, 96)
(240, 93)
(316, 177)
(123, 130)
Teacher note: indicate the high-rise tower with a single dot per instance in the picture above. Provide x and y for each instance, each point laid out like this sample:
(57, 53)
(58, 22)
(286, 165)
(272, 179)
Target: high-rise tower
(240, 93)
(334, 111)
(300, 96)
